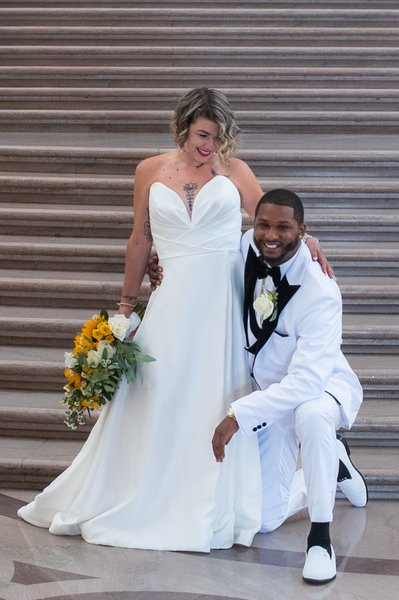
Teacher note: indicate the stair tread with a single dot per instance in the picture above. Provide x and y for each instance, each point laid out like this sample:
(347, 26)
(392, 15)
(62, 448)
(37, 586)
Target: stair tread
(32, 400)
(29, 314)
(82, 244)
(25, 451)
(42, 276)
(335, 184)
(365, 364)
(100, 212)
(379, 411)
(59, 276)
(372, 410)
(22, 450)
(103, 141)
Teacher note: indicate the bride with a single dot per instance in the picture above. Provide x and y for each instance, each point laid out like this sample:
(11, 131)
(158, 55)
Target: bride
(146, 477)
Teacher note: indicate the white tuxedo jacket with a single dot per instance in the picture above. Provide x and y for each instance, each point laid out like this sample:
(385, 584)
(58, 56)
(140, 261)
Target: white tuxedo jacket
(302, 359)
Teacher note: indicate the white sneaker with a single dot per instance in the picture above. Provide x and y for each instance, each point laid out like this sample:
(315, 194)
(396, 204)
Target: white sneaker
(353, 486)
(319, 567)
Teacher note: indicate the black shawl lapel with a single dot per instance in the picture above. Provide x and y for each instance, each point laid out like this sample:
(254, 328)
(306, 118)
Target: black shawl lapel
(250, 279)
(285, 293)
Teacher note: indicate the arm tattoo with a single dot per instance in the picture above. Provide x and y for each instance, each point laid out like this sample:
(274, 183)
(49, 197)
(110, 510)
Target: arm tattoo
(147, 227)
(190, 188)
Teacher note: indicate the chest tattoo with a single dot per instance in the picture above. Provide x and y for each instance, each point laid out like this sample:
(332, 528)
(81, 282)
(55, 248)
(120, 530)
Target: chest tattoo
(190, 188)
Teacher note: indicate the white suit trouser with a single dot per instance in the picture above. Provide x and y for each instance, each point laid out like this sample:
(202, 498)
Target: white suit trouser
(312, 428)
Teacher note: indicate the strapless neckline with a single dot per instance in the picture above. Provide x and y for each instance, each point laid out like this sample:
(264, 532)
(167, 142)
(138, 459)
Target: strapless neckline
(203, 188)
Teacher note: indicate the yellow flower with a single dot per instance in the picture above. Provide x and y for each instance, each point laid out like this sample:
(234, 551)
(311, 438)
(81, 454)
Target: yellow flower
(82, 344)
(97, 334)
(94, 405)
(74, 379)
(85, 404)
(87, 343)
(88, 327)
(104, 328)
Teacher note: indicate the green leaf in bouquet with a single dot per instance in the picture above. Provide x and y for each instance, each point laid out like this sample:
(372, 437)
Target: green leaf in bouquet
(139, 309)
(104, 314)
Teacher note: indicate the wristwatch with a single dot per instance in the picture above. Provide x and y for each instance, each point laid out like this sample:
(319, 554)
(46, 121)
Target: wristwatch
(230, 413)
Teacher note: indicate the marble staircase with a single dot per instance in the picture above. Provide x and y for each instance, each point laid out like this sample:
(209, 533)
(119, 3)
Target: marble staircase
(86, 91)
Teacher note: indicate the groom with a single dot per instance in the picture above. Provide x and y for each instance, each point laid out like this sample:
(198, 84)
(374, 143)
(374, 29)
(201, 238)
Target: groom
(304, 387)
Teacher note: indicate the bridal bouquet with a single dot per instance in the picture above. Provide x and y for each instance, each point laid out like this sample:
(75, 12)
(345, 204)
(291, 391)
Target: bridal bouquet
(101, 355)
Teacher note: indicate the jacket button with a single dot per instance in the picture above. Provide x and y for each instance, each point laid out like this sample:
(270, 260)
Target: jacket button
(259, 427)
(264, 424)
(254, 429)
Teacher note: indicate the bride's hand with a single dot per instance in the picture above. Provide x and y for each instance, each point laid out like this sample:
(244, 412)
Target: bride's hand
(318, 254)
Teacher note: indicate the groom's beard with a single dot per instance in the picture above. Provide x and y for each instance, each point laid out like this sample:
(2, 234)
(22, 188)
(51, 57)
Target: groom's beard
(287, 251)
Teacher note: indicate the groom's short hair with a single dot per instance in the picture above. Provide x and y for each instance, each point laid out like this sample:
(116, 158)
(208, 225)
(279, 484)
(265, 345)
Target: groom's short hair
(283, 198)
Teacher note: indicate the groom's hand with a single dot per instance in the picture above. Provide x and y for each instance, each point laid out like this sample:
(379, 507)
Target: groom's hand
(154, 272)
(222, 436)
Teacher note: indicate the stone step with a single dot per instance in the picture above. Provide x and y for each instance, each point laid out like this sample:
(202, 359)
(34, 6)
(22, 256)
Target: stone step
(211, 76)
(19, 420)
(164, 16)
(378, 375)
(376, 424)
(360, 334)
(42, 369)
(318, 192)
(65, 190)
(30, 401)
(154, 121)
(376, 259)
(61, 289)
(98, 222)
(367, 294)
(210, 35)
(34, 462)
(25, 463)
(35, 98)
(368, 163)
(362, 4)
(199, 56)
(39, 423)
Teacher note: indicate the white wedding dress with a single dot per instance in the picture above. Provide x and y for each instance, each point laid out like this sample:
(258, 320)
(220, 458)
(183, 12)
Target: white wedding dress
(146, 477)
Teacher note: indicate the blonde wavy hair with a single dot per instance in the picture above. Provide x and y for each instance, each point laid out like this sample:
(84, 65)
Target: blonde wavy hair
(210, 104)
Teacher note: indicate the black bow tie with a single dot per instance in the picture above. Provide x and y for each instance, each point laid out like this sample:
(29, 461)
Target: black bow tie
(262, 270)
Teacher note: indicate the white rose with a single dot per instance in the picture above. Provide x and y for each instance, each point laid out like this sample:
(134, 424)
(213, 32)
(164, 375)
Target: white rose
(103, 345)
(119, 326)
(264, 307)
(95, 356)
(69, 360)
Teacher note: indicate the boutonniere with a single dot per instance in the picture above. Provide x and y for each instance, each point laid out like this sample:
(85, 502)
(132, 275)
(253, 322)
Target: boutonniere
(265, 306)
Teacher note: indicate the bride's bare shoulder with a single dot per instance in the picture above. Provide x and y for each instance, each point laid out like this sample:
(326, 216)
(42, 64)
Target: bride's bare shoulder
(150, 168)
